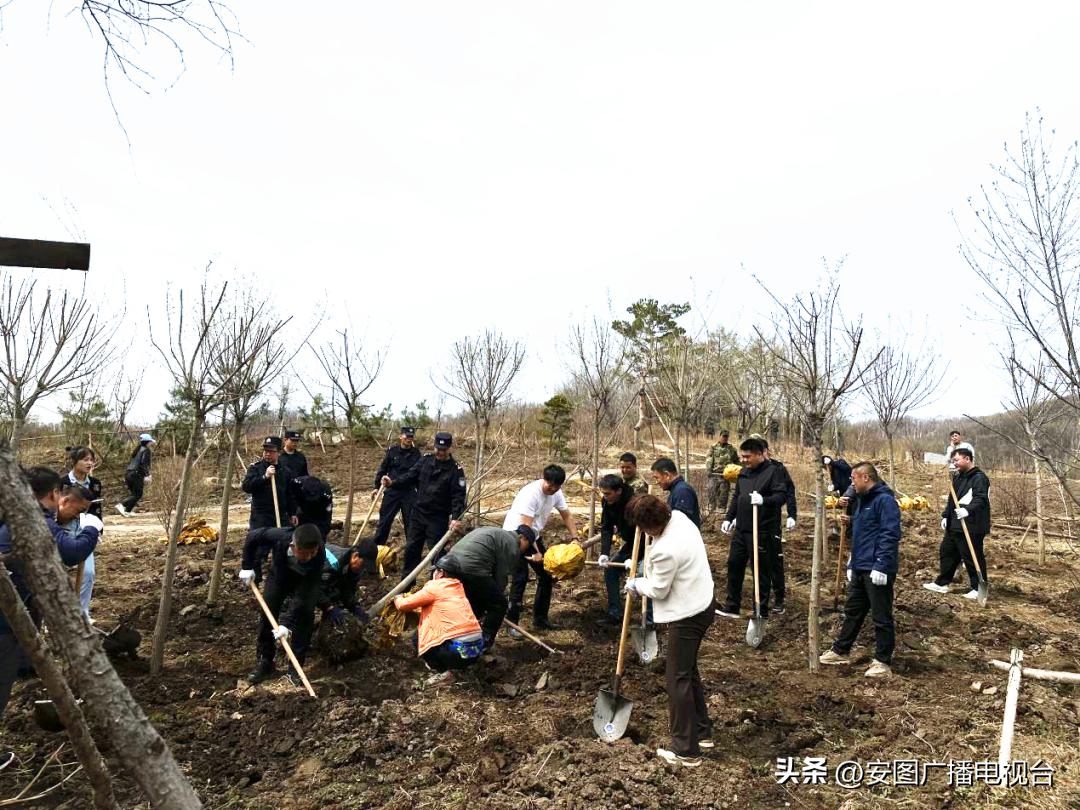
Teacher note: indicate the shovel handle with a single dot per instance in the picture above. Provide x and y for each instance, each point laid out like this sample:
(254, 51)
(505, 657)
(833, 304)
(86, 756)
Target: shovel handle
(284, 641)
(367, 517)
(277, 509)
(757, 586)
(531, 637)
(967, 534)
(839, 565)
(621, 661)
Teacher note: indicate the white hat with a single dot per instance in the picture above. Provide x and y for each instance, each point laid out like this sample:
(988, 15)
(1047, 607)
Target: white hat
(146, 437)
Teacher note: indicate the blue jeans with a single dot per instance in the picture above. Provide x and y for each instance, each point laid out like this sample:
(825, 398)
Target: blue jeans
(87, 588)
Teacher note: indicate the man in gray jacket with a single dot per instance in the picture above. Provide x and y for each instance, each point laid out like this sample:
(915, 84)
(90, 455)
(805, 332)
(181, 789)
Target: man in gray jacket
(482, 561)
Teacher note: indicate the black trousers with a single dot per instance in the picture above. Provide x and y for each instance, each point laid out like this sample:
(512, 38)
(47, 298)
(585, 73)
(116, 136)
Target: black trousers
(442, 658)
(487, 600)
(775, 543)
(741, 553)
(863, 597)
(305, 593)
(953, 550)
(424, 530)
(718, 492)
(520, 578)
(394, 501)
(689, 713)
(136, 486)
(12, 659)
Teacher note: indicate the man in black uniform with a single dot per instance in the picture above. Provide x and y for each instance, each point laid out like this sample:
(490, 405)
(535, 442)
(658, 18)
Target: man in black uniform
(397, 461)
(261, 476)
(340, 577)
(440, 487)
(314, 502)
(292, 461)
(775, 542)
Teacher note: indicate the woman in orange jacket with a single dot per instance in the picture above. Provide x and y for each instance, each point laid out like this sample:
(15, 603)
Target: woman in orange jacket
(449, 636)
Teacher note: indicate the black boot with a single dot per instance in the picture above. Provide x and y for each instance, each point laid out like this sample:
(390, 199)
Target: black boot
(264, 671)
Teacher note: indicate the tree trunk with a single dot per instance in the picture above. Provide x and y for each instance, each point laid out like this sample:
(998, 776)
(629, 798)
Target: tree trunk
(226, 496)
(478, 460)
(1038, 500)
(892, 462)
(66, 706)
(640, 419)
(347, 525)
(597, 416)
(18, 422)
(678, 446)
(813, 635)
(157, 651)
(109, 706)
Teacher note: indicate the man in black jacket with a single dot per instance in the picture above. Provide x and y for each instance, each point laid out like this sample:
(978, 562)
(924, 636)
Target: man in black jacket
(973, 492)
(314, 502)
(261, 477)
(681, 496)
(440, 488)
(760, 483)
(776, 542)
(296, 568)
(340, 577)
(397, 461)
(291, 460)
(616, 495)
(137, 474)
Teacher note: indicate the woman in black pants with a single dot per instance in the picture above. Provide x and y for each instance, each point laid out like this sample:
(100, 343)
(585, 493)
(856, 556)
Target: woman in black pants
(137, 474)
(680, 586)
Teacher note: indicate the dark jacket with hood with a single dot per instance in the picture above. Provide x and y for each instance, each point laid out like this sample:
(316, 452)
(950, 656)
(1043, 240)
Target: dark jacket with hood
(682, 498)
(768, 479)
(613, 521)
(973, 492)
(875, 530)
(285, 569)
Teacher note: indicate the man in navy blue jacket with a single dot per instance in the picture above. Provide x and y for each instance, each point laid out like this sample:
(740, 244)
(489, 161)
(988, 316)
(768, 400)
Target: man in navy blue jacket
(875, 545)
(681, 496)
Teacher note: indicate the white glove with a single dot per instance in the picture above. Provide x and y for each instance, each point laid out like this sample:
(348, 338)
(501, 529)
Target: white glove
(849, 575)
(86, 519)
(631, 585)
(961, 513)
(270, 471)
(878, 578)
(147, 479)
(603, 560)
(628, 564)
(727, 527)
(756, 499)
(246, 576)
(944, 523)
(280, 632)
(790, 523)
(830, 488)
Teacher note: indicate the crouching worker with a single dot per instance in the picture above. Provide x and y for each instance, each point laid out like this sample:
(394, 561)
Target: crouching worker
(482, 561)
(340, 578)
(296, 566)
(449, 636)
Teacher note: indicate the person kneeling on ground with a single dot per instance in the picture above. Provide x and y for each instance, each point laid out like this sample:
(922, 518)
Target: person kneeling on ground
(449, 636)
(296, 567)
(483, 561)
(340, 577)
(871, 572)
(680, 586)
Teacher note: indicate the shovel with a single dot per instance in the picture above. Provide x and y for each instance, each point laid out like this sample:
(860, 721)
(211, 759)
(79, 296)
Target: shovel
(277, 508)
(611, 714)
(375, 500)
(984, 588)
(643, 639)
(755, 631)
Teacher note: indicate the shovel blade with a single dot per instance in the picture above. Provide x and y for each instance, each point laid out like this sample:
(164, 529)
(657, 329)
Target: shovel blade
(611, 715)
(984, 593)
(755, 632)
(645, 644)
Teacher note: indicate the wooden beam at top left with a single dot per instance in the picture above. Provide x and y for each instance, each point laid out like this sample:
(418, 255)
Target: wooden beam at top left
(44, 255)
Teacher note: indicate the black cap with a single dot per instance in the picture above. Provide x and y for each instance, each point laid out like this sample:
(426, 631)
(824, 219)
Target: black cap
(369, 553)
(408, 430)
(310, 487)
(527, 532)
(271, 442)
(293, 434)
(443, 439)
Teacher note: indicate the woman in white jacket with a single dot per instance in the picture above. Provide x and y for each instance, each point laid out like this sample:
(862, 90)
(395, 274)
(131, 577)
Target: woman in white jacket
(680, 586)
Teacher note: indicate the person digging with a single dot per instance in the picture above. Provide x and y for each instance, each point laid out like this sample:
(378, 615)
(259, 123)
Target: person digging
(973, 506)
(341, 575)
(296, 565)
(871, 571)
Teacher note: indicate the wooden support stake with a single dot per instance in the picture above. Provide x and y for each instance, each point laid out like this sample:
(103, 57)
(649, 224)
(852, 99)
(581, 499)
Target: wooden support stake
(284, 640)
(1041, 674)
(1008, 724)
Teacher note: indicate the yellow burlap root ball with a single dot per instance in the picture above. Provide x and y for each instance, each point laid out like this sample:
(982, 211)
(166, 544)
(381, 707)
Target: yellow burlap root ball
(564, 561)
(731, 472)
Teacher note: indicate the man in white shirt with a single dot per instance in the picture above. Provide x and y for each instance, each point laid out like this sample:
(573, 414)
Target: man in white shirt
(956, 441)
(532, 507)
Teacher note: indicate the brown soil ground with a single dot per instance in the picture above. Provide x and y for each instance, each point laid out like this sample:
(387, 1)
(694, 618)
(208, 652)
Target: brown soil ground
(376, 738)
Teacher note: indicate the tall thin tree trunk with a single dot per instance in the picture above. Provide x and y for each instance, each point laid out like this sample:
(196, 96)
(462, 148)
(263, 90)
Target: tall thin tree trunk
(66, 707)
(595, 468)
(223, 529)
(157, 652)
(678, 446)
(892, 462)
(1038, 501)
(347, 525)
(478, 460)
(813, 635)
(112, 711)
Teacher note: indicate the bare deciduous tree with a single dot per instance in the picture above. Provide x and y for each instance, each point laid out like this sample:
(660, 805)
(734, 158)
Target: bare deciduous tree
(684, 378)
(351, 369)
(480, 374)
(51, 342)
(901, 382)
(818, 361)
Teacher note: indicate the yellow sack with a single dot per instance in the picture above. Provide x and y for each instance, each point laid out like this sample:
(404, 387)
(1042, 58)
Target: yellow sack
(386, 558)
(906, 503)
(831, 501)
(564, 561)
(731, 472)
(196, 531)
(920, 502)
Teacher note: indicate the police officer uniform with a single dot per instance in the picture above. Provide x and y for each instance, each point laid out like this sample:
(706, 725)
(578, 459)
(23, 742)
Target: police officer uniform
(294, 463)
(397, 461)
(257, 485)
(314, 500)
(440, 497)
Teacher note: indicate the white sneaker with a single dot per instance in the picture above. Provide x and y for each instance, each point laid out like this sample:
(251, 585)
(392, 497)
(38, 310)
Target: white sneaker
(671, 758)
(440, 679)
(832, 657)
(933, 586)
(120, 508)
(878, 670)
(513, 632)
(971, 595)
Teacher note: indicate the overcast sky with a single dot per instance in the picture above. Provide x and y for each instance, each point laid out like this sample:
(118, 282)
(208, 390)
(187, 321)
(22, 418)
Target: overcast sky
(425, 170)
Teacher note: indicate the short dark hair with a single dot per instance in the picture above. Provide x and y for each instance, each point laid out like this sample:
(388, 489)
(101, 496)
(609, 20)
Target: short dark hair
(72, 488)
(307, 536)
(649, 513)
(752, 445)
(613, 482)
(963, 451)
(871, 470)
(955, 433)
(629, 457)
(554, 474)
(665, 465)
(77, 453)
(42, 481)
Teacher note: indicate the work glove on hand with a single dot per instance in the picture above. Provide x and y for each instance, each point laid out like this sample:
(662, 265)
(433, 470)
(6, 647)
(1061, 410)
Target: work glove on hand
(830, 488)
(280, 632)
(878, 578)
(336, 616)
(790, 523)
(603, 560)
(148, 479)
(849, 575)
(628, 565)
(756, 499)
(246, 576)
(727, 527)
(961, 513)
(944, 523)
(631, 585)
(360, 614)
(270, 471)
(86, 519)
